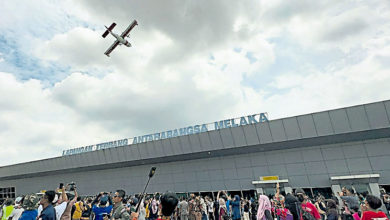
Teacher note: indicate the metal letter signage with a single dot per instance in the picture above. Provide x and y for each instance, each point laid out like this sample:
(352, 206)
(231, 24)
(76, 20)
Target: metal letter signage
(228, 123)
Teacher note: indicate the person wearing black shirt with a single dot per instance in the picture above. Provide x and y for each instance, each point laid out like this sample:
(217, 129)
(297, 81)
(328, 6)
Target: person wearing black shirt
(246, 210)
(216, 209)
(253, 210)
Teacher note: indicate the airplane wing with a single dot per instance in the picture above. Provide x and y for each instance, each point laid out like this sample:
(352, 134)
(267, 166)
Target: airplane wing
(111, 48)
(129, 28)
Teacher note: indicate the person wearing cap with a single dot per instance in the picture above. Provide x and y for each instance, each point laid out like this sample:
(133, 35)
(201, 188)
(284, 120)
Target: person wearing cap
(18, 209)
(102, 209)
(119, 210)
(306, 205)
(30, 204)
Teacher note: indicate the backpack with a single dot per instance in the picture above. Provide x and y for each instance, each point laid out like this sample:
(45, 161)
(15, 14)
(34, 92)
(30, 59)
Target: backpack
(87, 212)
(307, 215)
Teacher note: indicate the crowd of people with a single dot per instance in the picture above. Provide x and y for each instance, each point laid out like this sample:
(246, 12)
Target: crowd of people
(65, 204)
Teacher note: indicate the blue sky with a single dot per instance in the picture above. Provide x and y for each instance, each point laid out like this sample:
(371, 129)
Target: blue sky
(190, 63)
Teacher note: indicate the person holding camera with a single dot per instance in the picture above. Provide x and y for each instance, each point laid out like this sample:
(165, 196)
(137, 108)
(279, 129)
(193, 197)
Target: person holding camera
(370, 209)
(101, 210)
(350, 202)
(62, 202)
(68, 211)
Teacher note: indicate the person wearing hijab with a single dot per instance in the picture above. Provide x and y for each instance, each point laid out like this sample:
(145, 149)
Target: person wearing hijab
(264, 209)
(142, 211)
(222, 209)
(236, 207)
(153, 210)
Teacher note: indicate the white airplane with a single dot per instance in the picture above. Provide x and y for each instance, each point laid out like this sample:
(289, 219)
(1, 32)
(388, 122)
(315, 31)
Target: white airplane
(120, 39)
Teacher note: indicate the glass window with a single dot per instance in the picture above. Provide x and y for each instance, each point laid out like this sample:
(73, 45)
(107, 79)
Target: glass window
(325, 192)
(7, 192)
(248, 194)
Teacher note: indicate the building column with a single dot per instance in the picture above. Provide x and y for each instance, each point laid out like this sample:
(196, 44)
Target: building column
(336, 189)
(288, 190)
(374, 188)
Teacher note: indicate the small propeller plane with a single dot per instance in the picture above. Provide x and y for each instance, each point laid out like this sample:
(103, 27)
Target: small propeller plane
(120, 39)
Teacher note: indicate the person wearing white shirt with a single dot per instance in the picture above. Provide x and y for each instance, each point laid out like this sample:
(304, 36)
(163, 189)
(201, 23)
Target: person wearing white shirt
(61, 203)
(17, 212)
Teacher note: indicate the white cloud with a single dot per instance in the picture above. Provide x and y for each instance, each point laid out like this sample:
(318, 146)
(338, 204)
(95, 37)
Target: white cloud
(190, 64)
(33, 125)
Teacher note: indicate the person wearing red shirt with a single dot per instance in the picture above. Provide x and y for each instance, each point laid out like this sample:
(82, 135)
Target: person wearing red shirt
(306, 205)
(370, 209)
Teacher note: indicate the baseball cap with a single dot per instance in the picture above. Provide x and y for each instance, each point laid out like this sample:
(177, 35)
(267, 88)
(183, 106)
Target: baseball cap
(103, 200)
(18, 200)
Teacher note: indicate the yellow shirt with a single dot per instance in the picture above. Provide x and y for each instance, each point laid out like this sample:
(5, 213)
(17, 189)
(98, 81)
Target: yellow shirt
(7, 210)
(147, 211)
(77, 213)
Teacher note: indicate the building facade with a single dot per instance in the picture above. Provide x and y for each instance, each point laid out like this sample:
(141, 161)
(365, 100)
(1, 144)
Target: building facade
(319, 152)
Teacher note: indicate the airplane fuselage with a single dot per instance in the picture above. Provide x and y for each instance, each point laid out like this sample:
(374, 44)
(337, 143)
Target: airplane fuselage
(121, 39)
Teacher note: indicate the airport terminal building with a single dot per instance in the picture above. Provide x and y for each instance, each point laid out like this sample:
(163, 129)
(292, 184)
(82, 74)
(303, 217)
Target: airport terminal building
(319, 152)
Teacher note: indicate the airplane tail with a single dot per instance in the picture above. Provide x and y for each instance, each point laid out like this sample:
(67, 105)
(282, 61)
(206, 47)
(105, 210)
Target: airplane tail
(108, 30)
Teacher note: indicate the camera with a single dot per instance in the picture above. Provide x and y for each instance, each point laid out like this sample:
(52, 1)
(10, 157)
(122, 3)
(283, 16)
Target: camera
(72, 186)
